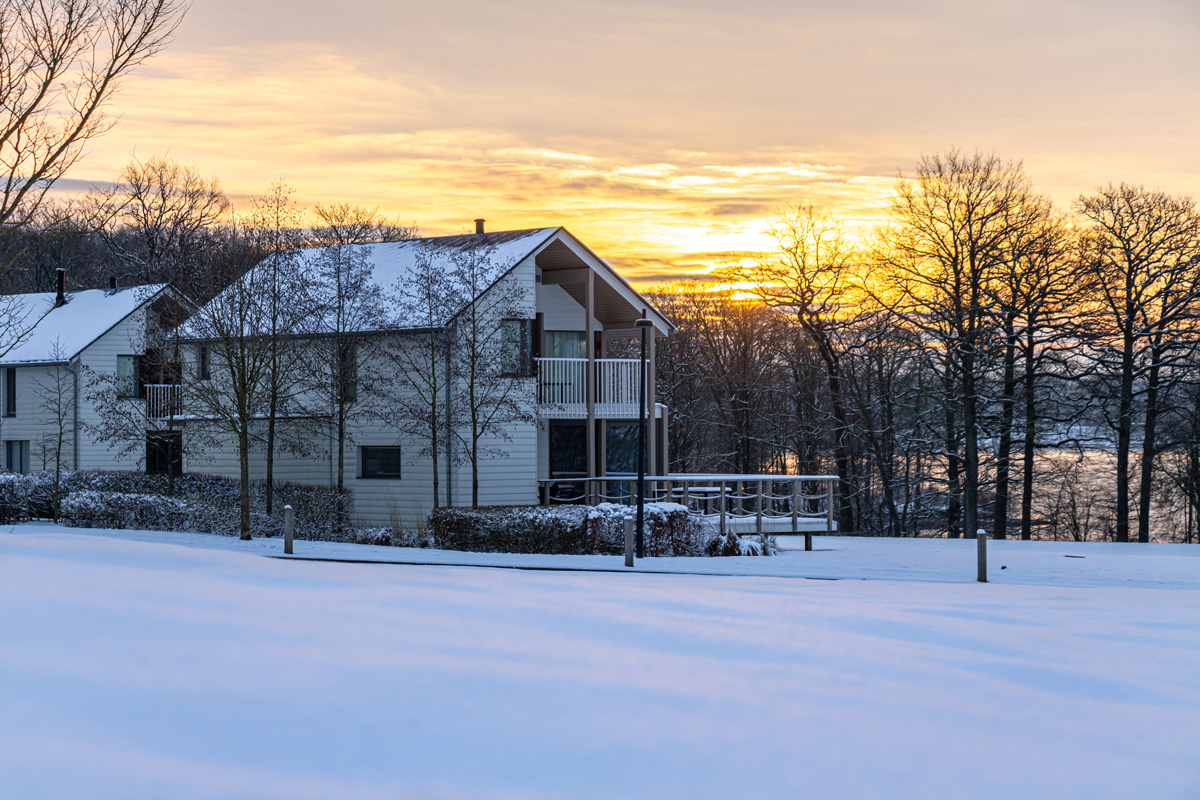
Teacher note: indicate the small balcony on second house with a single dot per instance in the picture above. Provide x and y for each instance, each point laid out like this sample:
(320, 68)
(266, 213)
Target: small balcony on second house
(562, 388)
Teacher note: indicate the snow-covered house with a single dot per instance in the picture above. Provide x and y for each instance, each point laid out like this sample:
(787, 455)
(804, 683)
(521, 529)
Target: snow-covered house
(61, 348)
(564, 312)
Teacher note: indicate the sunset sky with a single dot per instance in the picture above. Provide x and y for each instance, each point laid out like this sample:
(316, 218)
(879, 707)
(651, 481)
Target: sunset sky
(664, 133)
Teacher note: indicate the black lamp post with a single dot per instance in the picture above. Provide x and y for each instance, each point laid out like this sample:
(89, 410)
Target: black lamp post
(644, 324)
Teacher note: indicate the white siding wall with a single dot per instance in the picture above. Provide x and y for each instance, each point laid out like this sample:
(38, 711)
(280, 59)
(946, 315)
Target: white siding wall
(507, 480)
(33, 422)
(560, 311)
(126, 338)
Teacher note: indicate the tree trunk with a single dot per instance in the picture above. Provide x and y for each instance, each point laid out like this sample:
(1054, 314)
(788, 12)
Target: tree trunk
(244, 474)
(953, 486)
(1124, 426)
(1147, 467)
(841, 453)
(1030, 438)
(270, 487)
(1004, 448)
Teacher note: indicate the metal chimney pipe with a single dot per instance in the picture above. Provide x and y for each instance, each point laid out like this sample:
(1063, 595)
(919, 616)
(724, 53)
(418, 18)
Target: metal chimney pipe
(60, 276)
(479, 226)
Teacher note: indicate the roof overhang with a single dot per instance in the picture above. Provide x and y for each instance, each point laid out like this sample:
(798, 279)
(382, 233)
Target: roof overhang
(565, 261)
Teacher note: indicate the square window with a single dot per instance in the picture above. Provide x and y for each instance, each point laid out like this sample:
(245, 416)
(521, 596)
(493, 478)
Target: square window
(381, 462)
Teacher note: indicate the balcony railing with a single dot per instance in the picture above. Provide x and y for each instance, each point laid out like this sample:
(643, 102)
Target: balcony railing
(562, 387)
(163, 400)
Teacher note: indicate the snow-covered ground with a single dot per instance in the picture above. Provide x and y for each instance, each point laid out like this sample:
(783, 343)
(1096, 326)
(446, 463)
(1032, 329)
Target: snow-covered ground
(133, 667)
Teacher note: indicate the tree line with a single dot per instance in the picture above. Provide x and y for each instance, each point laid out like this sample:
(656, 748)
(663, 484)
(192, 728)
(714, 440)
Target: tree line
(980, 359)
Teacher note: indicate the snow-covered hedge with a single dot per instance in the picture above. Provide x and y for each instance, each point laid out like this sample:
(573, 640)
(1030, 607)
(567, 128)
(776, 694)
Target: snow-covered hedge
(581, 530)
(670, 530)
(511, 529)
(14, 496)
(91, 509)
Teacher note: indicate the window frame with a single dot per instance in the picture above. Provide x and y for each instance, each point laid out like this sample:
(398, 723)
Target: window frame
(134, 377)
(10, 392)
(22, 449)
(362, 462)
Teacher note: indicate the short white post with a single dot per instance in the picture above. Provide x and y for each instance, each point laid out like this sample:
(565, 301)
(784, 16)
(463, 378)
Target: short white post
(289, 522)
(981, 546)
(629, 541)
(722, 508)
(795, 506)
(758, 512)
(829, 506)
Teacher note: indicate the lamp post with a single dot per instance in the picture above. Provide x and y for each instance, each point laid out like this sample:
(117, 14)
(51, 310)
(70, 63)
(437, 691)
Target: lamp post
(643, 324)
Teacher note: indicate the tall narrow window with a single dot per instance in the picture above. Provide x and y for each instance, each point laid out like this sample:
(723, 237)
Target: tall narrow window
(348, 370)
(10, 392)
(16, 455)
(127, 376)
(516, 359)
(205, 366)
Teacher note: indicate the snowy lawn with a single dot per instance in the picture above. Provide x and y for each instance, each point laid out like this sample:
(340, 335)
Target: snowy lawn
(135, 668)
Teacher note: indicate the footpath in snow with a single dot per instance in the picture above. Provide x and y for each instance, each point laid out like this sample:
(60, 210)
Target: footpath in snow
(1010, 561)
(150, 665)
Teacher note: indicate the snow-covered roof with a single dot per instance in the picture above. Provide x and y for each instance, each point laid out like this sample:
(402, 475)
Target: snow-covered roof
(395, 267)
(50, 334)
(392, 264)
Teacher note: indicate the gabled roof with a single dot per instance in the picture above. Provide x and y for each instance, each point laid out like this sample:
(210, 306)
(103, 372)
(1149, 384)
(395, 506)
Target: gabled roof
(392, 264)
(56, 335)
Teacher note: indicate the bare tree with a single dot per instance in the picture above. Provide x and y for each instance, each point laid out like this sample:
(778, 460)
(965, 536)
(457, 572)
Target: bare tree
(419, 359)
(60, 63)
(1141, 254)
(229, 396)
(490, 352)
(947, 241)
(810, 278)
(56, 397)
(275, 227)
(157, 219)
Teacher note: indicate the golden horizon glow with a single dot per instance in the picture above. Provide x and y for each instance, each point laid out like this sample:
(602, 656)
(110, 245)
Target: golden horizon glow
(666, 141)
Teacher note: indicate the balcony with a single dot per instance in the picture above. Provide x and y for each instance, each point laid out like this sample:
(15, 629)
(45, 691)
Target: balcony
(562, 388)
(163, 400)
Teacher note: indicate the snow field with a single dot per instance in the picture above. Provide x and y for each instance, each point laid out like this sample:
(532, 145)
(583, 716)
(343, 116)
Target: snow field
(139, 669)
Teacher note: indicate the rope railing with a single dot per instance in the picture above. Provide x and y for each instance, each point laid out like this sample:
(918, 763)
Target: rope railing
(716, 499)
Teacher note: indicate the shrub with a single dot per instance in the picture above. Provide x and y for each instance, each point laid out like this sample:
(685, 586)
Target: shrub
(92, 509)
(670, 530)
(733, 545)
(511, 529)
(14, 496)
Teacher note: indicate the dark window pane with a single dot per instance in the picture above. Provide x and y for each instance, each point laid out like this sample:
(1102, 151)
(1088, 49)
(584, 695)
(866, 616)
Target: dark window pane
(381, 462)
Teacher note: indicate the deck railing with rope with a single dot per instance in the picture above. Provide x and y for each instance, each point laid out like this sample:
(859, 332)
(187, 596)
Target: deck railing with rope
(803, 503)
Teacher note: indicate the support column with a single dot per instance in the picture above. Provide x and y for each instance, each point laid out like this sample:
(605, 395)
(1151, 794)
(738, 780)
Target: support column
(651, 377)
(590, 383)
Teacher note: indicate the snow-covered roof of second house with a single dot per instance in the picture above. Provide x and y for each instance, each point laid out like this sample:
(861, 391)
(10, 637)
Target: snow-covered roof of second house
(393, 264)
(56, 334)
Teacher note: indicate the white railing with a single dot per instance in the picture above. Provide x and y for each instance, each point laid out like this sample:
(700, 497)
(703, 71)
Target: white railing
(163, 400)
(562, 386)
(561, 381)
(617, 381)
(740, 503)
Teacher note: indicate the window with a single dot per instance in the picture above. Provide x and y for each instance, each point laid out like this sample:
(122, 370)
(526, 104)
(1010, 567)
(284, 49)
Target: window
(10, 392)
(348, 370)
(566, 344)
(205, 366)
(164, 453)
(516, 336)
(16, 455)
(127, 376)
(381, 462)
